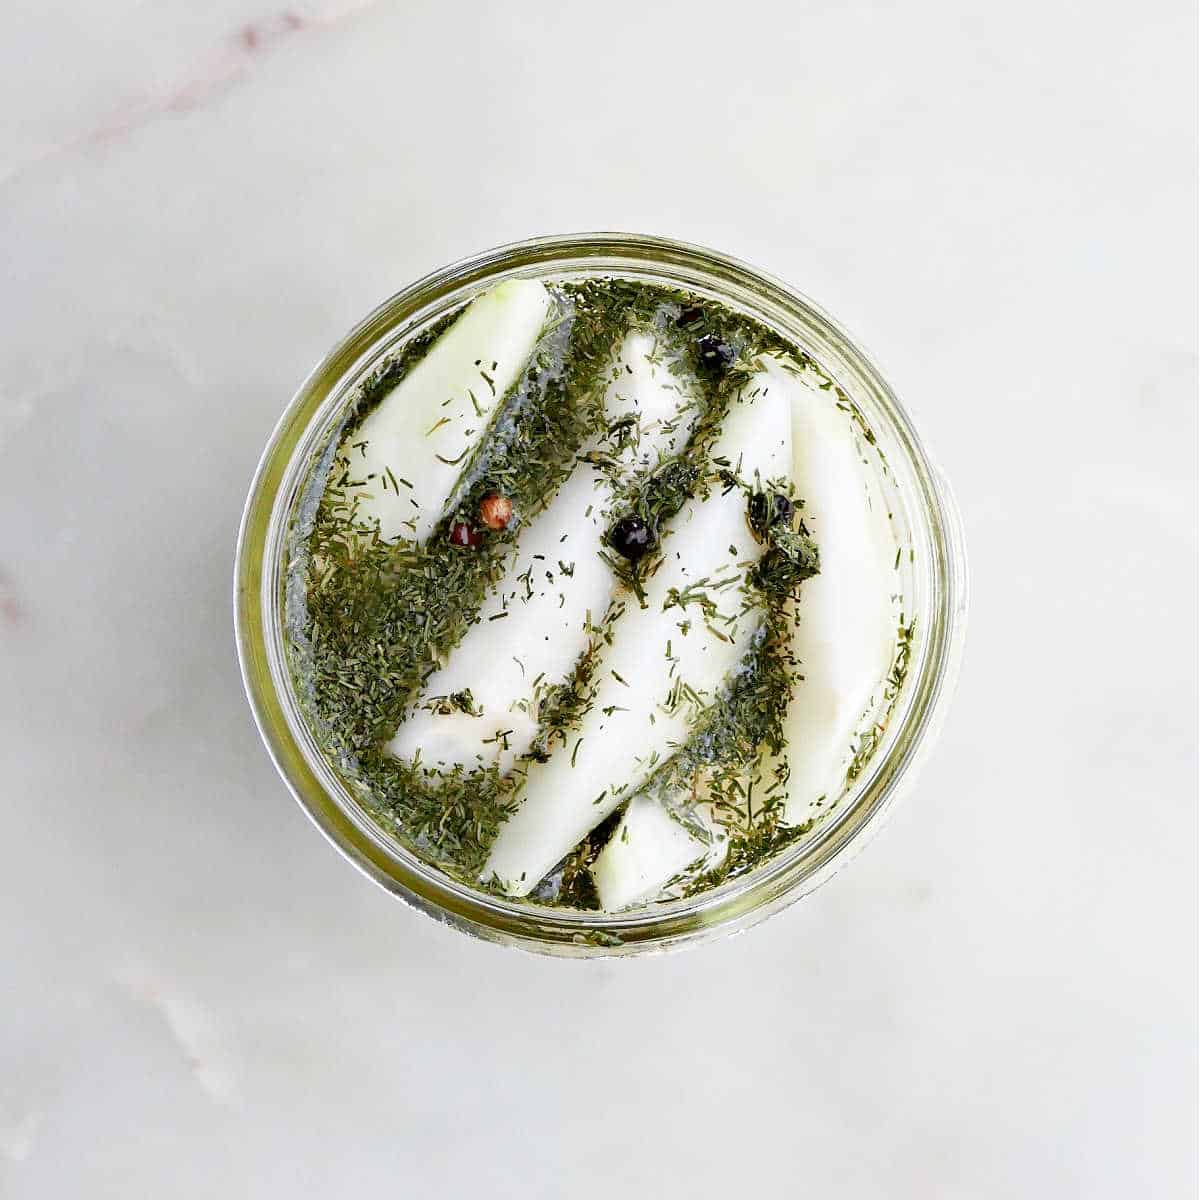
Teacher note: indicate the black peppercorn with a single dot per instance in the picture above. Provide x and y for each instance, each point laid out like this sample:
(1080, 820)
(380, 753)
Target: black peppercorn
(784, 509)
(714, 355)
(630, 537)
(768, 509)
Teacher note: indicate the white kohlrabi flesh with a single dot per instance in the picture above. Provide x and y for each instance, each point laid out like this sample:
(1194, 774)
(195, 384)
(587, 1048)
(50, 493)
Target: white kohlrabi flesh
(556, 585)
(844, 642)
(846, 635)
(665, 661)
(648, 848)
(426, 428)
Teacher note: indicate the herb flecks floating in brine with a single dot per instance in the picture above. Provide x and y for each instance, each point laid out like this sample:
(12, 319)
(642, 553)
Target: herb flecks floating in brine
(538, 703)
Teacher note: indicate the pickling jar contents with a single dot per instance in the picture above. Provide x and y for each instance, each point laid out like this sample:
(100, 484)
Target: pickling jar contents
(593, 596)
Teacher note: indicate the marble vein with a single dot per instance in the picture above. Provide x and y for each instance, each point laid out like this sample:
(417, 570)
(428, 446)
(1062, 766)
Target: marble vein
(232, 62)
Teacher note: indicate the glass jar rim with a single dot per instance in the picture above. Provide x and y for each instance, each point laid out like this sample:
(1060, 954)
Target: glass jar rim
(259, 625)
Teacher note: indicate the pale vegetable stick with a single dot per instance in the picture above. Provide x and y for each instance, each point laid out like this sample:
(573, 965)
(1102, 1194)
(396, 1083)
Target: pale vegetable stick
(534, 626)
(648, 848)
(638, 718)
(426, 427)
(847, 632)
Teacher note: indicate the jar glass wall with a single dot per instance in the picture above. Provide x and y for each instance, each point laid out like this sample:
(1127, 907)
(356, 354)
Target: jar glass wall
(933, 582)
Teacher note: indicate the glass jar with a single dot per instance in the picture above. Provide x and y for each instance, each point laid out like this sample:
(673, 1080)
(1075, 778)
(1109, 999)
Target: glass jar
(933, 582)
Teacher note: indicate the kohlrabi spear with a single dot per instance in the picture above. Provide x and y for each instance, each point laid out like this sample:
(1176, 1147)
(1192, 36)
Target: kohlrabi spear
(649, 847)
(847, 617)
(410, 451)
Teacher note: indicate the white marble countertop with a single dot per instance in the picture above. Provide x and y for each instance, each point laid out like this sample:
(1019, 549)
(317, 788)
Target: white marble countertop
(997, 998)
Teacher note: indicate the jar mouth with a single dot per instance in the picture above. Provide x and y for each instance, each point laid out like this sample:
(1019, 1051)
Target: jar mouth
(936, 579)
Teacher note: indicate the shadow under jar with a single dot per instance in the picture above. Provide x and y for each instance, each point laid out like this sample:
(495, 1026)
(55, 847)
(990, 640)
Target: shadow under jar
(929, 582)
